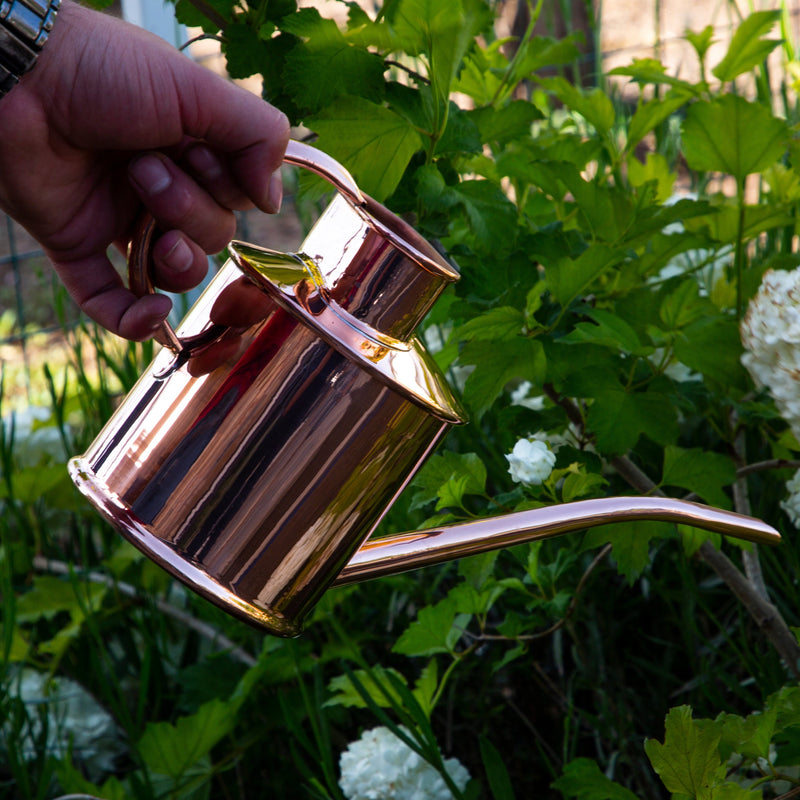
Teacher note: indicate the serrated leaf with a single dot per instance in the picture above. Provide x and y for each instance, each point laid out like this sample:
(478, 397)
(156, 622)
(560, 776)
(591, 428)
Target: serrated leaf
(655, 169)
(630, 544)
(507, 123)
(701, 40)
(607, 330)
(441, 468)
(618, 418)
(173, 749)
(712, 346)
(699, 471)
(497, 365)
(437, 629)
(688, 762)
(651, 114)
(581, 484)
(593, 105)
(583, 779)
(373, 142)
(348, 70)
(753, 140)
(569, 278)
(496, 323)
(684, 305)
(747, 49)
(650, 70)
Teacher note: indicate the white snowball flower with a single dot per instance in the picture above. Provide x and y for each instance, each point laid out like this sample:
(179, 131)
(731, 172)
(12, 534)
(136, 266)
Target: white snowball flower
(519, 397)
(791, 505)
(379, 766)
(37, 440)
(531, 461)
(770, 334)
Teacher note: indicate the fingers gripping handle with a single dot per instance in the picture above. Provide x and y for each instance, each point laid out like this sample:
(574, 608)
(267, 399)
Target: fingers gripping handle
(140, 260)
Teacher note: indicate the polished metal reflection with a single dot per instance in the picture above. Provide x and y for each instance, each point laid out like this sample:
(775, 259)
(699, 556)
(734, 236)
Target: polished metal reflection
(253, 461)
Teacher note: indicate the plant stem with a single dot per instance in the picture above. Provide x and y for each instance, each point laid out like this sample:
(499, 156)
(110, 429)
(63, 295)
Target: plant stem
(763, 612)
(203, 628)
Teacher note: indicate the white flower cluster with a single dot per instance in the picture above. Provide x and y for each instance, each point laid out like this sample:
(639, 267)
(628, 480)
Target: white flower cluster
(37, 439)
(75, 723)
(379, 766)
(531, 461)
(791, 505)
(770, 334)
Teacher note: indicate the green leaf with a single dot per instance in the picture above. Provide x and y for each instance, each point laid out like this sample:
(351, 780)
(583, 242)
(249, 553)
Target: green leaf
(498, 364)
(373, 681)
(568, 278)
(749, 736)
(630, 544)
(651, 114)
(650, 70)
(593, 105)
(701, 41)
(490, 215)
(440, 469)
(444, 32)
(699, 471)
(688, 762)
(684, 305)
(426, 686)
(712, 346)
(655, 168)
(500, 323)
(618, 418)
(581, 484)
(505, 124)
(173, 749)
(348, 70)
(753, 140)
(583, 779)
(496, 772)
(747, 49)
(537, 52)
(437, 629)
(607, 330)
(373, 142)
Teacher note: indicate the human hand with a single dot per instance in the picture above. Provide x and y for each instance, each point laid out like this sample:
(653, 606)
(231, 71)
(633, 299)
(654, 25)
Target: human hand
(110, 118)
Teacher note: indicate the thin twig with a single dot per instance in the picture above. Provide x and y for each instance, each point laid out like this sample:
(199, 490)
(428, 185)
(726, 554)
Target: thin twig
(202, 628)
(415, 75)
(763, 612)
(741, 503)
(573, 604)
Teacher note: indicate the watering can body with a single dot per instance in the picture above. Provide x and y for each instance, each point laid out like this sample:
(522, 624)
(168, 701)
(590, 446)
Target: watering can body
(256, 479)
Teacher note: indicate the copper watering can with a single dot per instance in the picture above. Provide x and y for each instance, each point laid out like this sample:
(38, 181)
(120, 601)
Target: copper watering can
(253, 462)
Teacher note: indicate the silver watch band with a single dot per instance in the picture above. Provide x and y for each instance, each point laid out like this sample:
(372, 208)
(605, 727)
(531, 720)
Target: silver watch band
(25, 26)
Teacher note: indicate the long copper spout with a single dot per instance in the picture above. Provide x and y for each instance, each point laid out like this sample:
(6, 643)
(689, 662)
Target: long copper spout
(405, 551)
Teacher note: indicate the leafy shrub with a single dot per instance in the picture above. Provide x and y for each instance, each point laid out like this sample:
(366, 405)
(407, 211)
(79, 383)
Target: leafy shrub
(608, 251)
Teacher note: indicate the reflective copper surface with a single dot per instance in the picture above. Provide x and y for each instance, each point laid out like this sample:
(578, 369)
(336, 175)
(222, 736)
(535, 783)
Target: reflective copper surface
(255, 457)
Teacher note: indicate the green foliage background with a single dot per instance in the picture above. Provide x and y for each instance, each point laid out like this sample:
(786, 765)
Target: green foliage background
(552, 667)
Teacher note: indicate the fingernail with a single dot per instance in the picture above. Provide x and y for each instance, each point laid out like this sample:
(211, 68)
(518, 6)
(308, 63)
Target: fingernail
(275, 193)
(204, 162)
(179, 257)
(150, 174)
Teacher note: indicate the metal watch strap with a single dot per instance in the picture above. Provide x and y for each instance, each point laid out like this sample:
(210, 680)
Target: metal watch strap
(25, 26)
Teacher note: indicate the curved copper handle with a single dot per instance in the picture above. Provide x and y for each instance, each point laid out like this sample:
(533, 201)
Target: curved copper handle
(141, 251)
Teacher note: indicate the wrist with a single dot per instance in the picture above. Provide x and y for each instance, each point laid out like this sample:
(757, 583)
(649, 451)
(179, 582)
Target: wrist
(25, 27)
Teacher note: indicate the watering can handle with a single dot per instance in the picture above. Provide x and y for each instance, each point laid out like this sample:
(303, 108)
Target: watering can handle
(140, 260)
